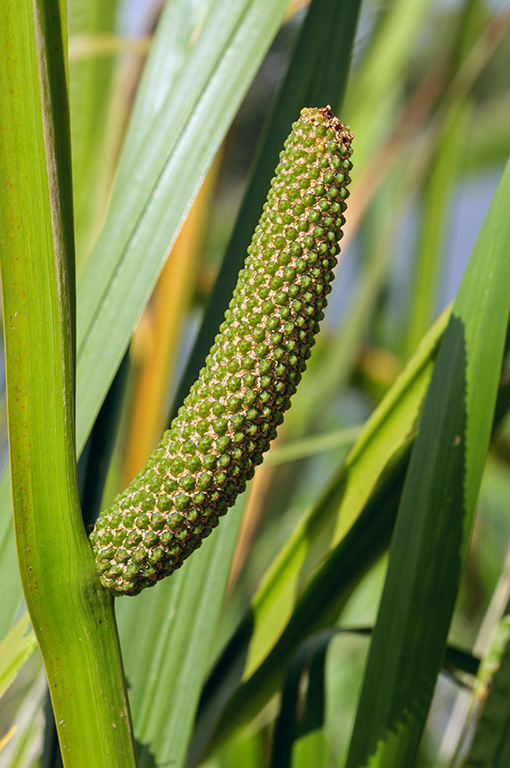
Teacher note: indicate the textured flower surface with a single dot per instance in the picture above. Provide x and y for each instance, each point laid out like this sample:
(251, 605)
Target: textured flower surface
(232, 411)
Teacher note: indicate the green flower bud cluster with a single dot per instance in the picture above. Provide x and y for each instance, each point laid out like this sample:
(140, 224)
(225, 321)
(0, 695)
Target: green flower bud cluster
(232, 411)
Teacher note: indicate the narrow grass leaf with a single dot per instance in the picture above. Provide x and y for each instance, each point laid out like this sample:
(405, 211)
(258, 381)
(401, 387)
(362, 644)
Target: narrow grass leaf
(300, 449)
(25, 746)
(322, 529)
(441, 175)
(372, 94)
(96, 456)
(15, 649)
(4, 740)
(437, 508)
(491, 705)
(172, 625)
(434, 213)
(158, 177)
(228, 701)
(310, 659)
(9, 575)
(90, 82)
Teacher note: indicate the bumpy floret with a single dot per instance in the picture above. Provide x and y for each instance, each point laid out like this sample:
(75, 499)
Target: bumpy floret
(232, 411)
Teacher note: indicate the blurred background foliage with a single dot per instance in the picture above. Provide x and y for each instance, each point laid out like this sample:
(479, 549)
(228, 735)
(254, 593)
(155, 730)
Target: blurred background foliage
(428, 99)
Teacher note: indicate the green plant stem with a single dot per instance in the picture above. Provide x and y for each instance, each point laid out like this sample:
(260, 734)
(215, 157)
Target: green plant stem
(71, 614)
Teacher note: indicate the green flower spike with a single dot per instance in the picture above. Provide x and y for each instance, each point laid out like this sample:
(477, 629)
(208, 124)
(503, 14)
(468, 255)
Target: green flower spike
(232, 411)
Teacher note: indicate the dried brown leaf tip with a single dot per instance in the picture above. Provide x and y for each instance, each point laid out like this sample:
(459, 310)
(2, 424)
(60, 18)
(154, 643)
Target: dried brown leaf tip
(234, 408)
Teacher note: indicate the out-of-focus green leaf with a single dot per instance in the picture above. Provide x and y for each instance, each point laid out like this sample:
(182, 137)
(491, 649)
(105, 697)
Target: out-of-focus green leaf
(9, 574)
(299, 449)
(89, 90)
(172, 625)
(310, 659)
(437, 508)
(15, 649)
(491, 705)
(252, 656)
(434, 216)
(372, 94)
(489, 135)
(24, 748)
(165, 157)
(96, 456)
(440, 178)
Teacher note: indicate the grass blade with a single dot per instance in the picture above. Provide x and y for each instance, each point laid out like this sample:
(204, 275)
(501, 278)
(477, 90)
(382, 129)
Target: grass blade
(173, 624)
(89, 89)
(491, 741)
(442, 173)
(156, 347)
(229, 701)
(299, 449)
(371, 96)
(310, 659)
(434, 211)
(15, 649)
(154, 188)
(8, 564)
(97, 453)
(437, 508)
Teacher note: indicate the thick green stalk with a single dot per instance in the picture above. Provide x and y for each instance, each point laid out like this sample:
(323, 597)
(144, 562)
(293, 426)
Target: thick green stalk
(71, 614)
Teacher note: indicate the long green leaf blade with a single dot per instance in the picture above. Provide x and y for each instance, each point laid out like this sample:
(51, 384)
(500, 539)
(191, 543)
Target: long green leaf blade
(15, 649)
(229, 702)
(436, 514)
(173, 624)
(90, 82)
(491, 741)
(154, 187)
(244, 675)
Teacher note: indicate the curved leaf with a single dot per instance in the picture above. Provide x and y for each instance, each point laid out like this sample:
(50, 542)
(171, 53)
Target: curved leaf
(437, 508)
